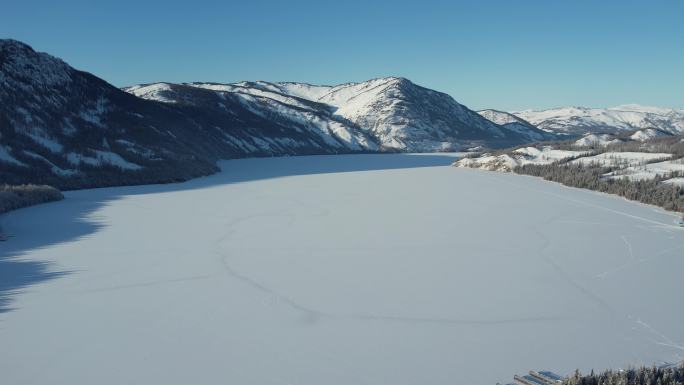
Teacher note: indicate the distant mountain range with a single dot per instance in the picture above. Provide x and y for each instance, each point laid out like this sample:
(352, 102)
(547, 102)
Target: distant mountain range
(71, 129)
(581, 120)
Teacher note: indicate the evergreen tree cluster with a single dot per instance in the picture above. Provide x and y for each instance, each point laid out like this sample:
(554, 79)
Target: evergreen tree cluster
(651, 191)
(17, 196)
(641, 376)
(669, 144)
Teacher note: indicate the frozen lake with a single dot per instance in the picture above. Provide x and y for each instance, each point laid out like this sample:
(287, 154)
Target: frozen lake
(363, 269)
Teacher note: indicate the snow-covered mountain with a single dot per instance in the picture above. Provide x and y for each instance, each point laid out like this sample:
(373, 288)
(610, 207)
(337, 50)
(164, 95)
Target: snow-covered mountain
(581, 120)
(68, 128)
(516, 124)
(396, 113)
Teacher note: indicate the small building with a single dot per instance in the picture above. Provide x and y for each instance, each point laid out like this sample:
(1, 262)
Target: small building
(547, 377)
(528, 380)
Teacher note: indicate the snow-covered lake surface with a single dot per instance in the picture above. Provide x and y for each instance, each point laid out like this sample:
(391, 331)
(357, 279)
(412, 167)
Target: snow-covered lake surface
(364, 269)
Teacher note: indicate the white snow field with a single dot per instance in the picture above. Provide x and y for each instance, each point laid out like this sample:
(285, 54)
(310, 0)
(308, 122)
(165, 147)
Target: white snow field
(357, 269)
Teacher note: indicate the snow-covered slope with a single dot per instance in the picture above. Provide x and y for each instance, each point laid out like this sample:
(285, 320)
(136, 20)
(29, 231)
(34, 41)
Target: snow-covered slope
(602, 140)
(596, 140)
(647, 134)
(506, 162)
(517, 124)
(260, 99)
(393, 112)
(621, 159)
(646, 170)
(581, 120)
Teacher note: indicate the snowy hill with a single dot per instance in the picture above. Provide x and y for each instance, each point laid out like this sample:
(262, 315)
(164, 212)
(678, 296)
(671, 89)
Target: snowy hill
(647, 134)
(602, 140)
(581, 120)
(396, 113)
(516, 124)
(596, 140)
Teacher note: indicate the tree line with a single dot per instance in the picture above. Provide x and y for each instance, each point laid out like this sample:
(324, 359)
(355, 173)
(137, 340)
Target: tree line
(651, 191)
(642, 376)
(13, 197)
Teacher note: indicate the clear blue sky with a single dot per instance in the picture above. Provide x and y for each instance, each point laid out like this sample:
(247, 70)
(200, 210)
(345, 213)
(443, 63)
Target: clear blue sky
(507, 54)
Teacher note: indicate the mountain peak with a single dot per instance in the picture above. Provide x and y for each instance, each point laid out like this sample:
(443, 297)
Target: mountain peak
(396, 79)
(11, 44)
(20, 63)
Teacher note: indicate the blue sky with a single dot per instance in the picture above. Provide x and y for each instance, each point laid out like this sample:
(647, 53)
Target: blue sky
(500, 54)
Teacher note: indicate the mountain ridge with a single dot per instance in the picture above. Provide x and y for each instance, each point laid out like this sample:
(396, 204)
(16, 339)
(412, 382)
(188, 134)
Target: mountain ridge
(515, 123)
(576, 120)
(401, 115)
